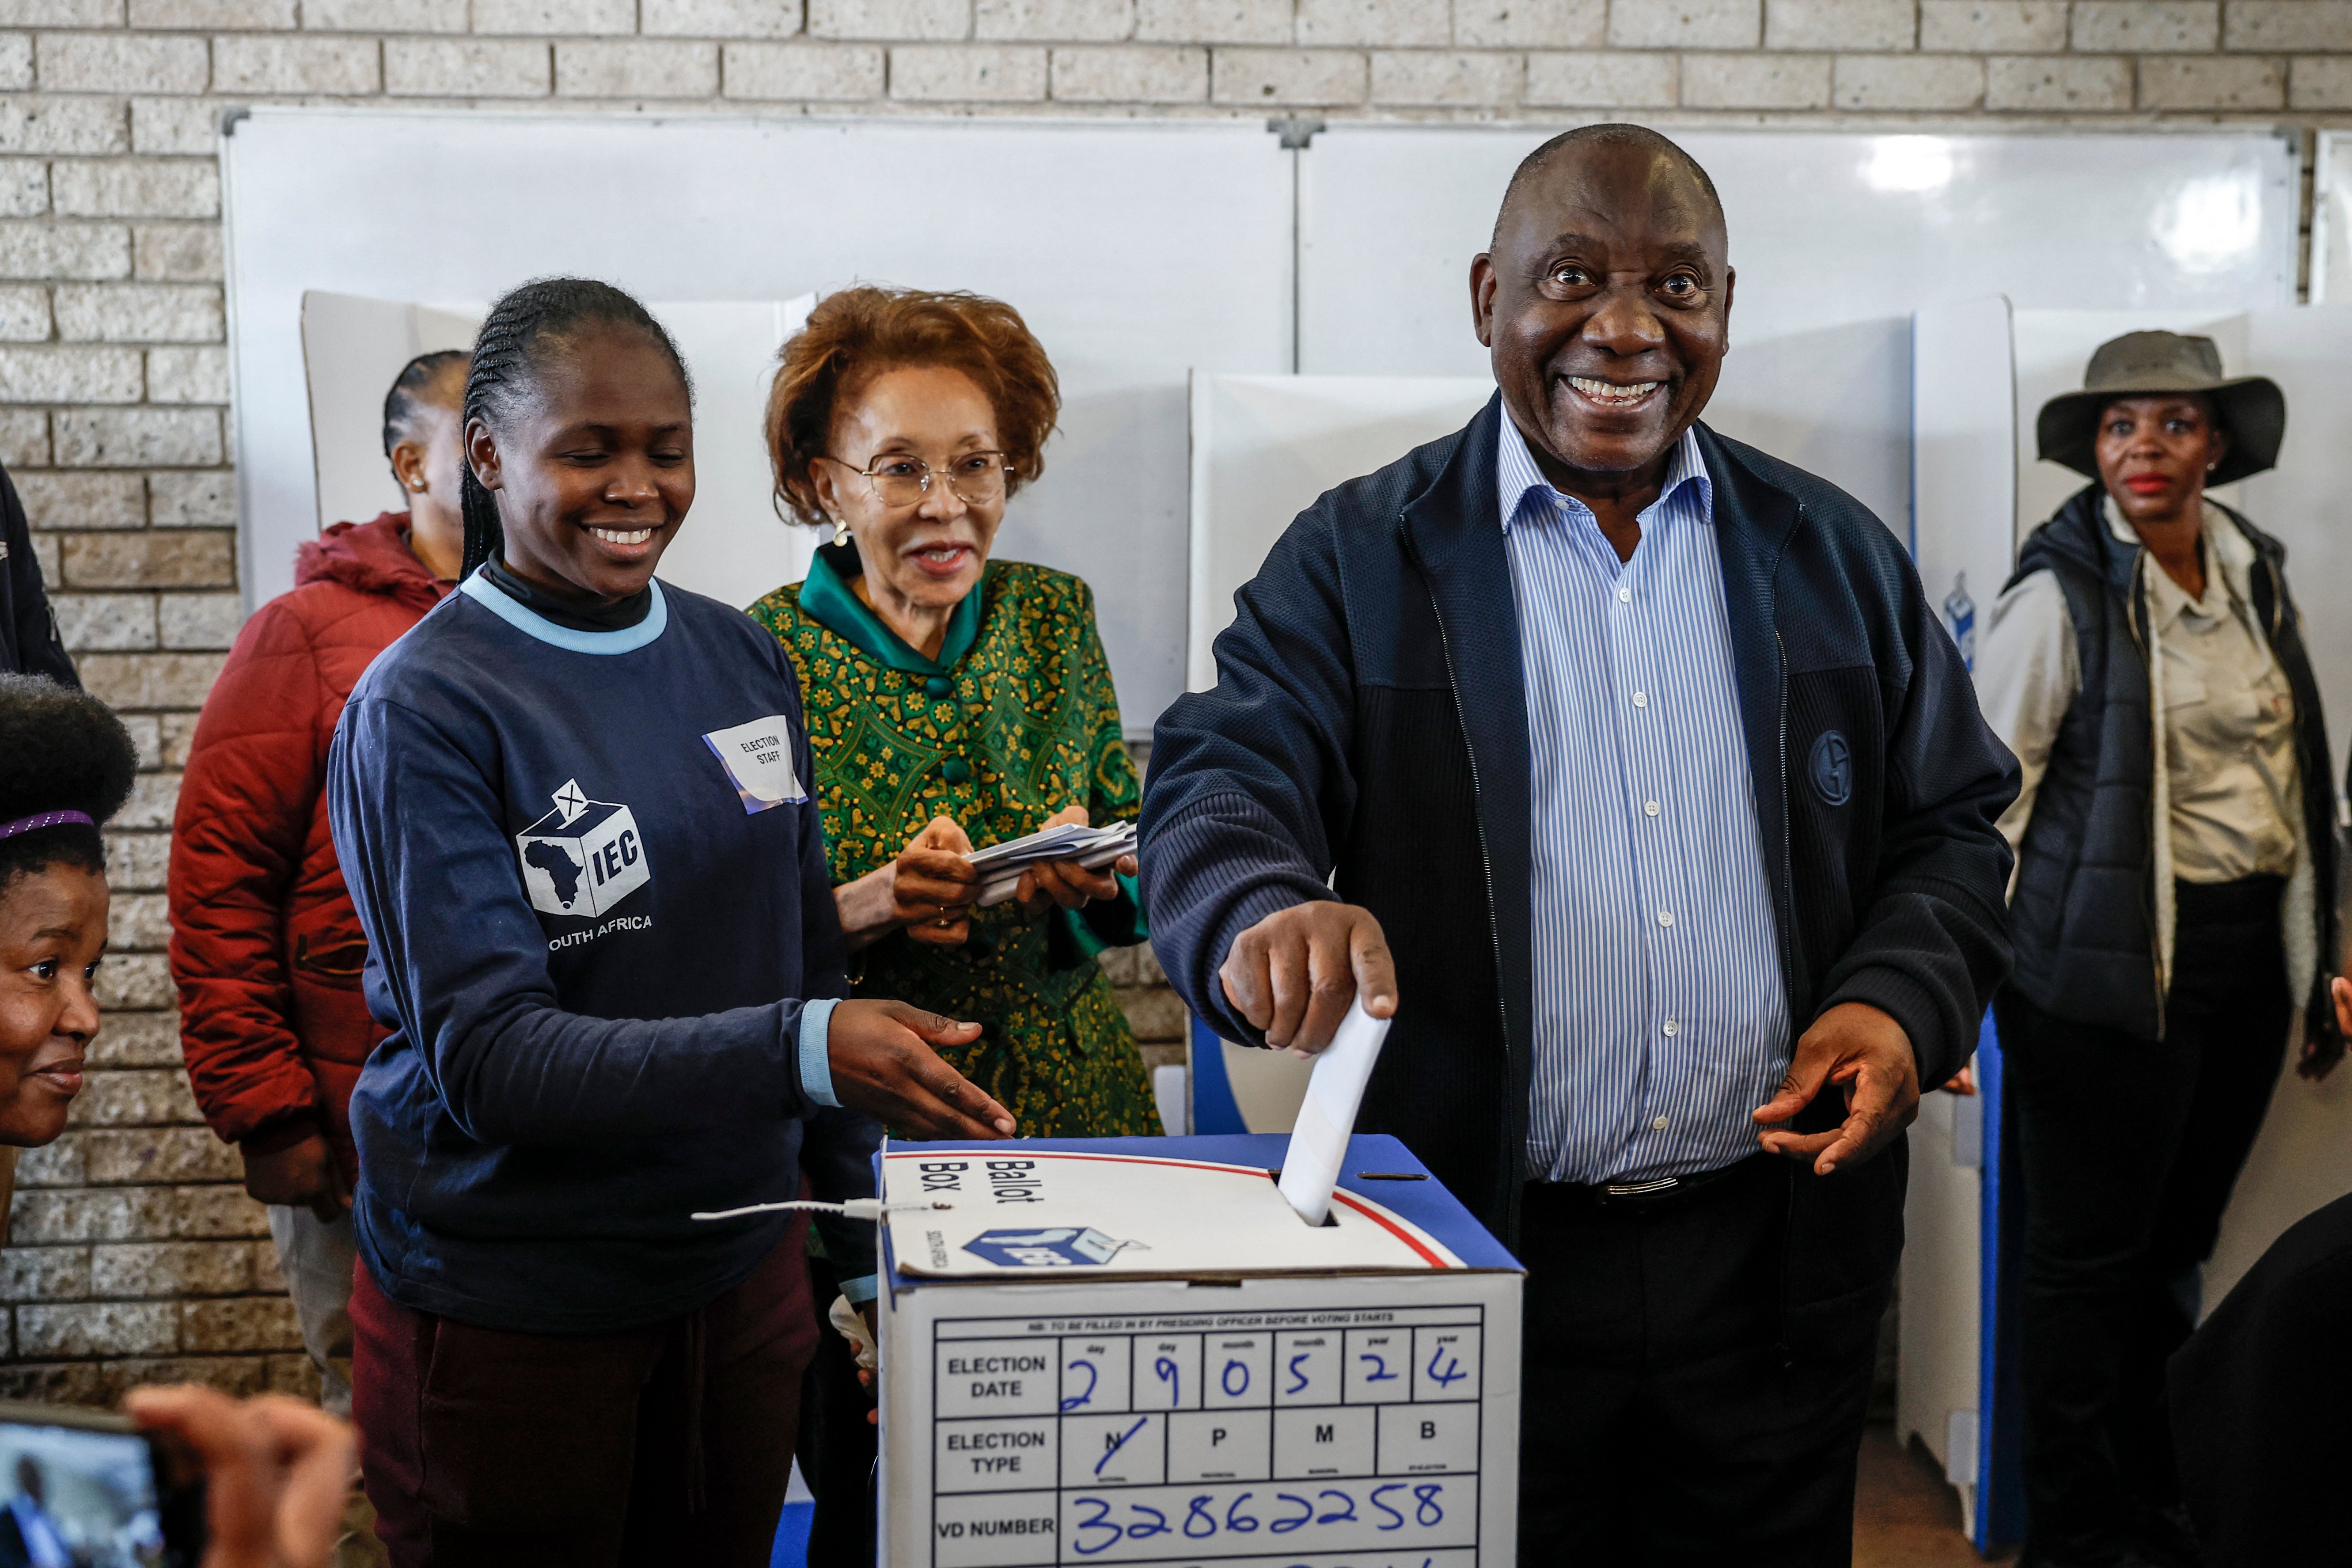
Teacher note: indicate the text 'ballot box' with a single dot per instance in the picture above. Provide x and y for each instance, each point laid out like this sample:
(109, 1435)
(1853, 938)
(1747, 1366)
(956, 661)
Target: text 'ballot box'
(1133, 1350)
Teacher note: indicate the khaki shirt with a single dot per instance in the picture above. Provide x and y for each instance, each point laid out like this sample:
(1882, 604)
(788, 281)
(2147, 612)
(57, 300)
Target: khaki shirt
(2228, 721)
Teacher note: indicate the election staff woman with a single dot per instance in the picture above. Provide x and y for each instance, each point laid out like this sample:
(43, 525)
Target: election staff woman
(571, 811)
(2172, 909)
(955, 701)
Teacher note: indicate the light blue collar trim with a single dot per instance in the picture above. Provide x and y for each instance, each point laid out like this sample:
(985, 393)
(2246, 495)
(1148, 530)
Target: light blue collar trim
(1516, 475)
(629, 640)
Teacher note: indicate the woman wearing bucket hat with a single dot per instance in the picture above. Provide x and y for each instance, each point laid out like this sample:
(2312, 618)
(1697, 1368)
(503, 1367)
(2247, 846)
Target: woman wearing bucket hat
(2172, 909)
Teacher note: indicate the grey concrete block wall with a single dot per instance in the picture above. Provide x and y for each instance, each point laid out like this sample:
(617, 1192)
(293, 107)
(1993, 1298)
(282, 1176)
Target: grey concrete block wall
(135, 1254)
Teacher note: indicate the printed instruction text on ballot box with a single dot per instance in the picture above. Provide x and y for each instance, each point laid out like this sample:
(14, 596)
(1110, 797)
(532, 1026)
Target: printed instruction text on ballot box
(1163, 1365)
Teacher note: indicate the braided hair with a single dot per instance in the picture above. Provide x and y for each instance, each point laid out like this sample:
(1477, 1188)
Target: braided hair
(60, 750)
(407, 389)
(512, 350)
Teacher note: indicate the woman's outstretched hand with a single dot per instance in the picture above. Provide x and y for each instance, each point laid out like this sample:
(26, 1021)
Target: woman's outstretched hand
(883, 1064)
(1067, 883)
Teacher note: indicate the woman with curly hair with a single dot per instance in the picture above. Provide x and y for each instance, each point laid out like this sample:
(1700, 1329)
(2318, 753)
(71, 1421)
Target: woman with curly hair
(954, 700)
(65, 767)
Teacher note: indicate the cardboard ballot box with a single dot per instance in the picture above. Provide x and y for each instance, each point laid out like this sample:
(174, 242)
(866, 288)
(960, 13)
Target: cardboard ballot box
(1133, 1350)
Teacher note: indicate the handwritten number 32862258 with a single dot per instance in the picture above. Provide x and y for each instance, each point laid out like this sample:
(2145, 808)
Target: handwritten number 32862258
(1331, 1505)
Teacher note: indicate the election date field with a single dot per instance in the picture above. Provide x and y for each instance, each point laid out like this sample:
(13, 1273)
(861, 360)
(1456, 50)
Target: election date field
(1344, 1440)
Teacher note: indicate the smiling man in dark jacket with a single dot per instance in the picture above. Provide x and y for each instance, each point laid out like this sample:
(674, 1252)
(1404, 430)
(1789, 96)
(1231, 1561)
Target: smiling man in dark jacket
(1662, 822)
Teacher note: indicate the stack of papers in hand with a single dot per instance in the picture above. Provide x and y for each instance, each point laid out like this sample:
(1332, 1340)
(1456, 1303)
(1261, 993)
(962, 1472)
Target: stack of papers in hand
(999, 865)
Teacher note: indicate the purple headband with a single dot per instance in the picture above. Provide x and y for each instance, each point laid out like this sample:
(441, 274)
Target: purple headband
(41, 819)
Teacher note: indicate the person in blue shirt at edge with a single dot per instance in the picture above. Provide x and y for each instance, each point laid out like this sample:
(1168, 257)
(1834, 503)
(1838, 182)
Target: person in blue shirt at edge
(572, 808)
(1662, 823)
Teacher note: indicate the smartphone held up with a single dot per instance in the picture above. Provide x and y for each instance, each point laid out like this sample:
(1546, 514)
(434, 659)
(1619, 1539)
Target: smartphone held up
(85, 1489)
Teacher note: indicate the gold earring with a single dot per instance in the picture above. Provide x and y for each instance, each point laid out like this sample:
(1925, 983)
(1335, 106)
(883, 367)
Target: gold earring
(840, 530)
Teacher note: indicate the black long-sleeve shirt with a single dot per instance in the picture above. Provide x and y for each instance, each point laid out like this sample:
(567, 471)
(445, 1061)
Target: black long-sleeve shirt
(29, 644)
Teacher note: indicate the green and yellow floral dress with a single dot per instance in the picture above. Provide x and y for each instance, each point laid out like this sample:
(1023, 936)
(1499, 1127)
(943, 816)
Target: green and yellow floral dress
(1014, 720)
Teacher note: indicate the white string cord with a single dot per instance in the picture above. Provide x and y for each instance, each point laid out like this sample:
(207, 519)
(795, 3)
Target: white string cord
(855, 1208)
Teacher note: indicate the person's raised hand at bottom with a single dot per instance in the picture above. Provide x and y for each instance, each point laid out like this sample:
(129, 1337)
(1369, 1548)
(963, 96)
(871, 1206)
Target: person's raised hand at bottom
(277, 1473)
(1293, 973)
(1868, 1056)
(883, 1064)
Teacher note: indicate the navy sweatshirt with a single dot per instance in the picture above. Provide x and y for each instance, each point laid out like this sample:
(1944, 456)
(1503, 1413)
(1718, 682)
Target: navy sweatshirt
(595, 891)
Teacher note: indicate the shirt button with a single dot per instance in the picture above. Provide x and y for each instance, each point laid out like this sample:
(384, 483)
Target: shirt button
(1641, 700)
(939, 686)
(1625, 595)
(1673, 1029)
(1651, 807)
(1665, 917)
(956, 771)
(1659, 1124)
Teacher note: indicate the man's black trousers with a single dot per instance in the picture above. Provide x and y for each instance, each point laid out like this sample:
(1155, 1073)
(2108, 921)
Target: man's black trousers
(2130, 1149)
(1663, 1426)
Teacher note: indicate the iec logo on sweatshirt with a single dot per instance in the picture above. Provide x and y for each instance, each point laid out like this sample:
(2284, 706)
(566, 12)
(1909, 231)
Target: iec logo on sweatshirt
(583, 856)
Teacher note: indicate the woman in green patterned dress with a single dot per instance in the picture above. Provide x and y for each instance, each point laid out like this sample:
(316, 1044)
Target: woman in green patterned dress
(953, 700)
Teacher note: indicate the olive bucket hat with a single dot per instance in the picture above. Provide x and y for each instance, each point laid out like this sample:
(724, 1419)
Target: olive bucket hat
(2251, 409)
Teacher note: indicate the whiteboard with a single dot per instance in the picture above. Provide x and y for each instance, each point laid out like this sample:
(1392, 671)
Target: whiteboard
(353, 346)
(1135, 250)
(1819, 372)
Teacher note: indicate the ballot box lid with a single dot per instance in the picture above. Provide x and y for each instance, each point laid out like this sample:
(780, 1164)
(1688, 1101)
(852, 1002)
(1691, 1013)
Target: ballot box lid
(1190, 1208)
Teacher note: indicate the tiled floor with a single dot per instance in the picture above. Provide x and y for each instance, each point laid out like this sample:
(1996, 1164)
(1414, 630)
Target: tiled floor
(1904, 1516)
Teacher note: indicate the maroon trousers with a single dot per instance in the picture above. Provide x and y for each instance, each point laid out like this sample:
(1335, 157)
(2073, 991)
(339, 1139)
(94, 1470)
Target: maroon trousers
(663, 1444)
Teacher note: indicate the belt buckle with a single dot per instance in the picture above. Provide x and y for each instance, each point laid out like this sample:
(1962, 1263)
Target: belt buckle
(1656, 1188)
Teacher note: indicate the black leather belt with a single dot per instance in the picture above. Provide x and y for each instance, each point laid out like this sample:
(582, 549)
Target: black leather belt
(1657, 1191)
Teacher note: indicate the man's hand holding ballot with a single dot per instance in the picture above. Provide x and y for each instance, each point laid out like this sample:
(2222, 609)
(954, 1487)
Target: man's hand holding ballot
(1293, 973)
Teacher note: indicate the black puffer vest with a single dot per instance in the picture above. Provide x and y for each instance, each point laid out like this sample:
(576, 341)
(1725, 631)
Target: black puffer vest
(2084, 917)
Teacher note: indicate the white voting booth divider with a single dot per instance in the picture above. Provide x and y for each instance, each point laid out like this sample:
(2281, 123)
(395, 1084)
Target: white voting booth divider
(1264, 447)
(733, 547)
(1982, 372)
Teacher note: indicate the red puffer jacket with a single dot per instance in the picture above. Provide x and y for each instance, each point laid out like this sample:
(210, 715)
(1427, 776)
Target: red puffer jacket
(265, 946)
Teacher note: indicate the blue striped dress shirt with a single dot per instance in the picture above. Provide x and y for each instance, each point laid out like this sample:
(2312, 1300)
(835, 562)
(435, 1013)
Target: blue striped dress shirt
(1661, 1018)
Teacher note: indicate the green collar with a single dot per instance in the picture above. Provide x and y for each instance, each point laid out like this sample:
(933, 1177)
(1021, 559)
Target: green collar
(827, 599)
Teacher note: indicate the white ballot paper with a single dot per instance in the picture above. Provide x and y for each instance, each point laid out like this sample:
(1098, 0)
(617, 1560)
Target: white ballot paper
(1318, 1138)
(1001, 865)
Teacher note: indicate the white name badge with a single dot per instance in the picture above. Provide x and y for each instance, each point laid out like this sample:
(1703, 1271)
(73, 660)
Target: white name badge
(758, 758)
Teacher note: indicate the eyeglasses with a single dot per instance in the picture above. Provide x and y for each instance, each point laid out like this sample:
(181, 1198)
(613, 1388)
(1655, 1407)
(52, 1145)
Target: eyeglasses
(901, 479)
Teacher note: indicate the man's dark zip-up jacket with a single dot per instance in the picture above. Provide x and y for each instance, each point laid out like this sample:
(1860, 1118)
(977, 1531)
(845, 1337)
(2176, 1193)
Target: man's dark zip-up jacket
(1370, 719)
(2086, 907)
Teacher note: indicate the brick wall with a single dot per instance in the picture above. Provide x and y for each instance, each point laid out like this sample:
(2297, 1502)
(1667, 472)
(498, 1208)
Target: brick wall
(134, 1254)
